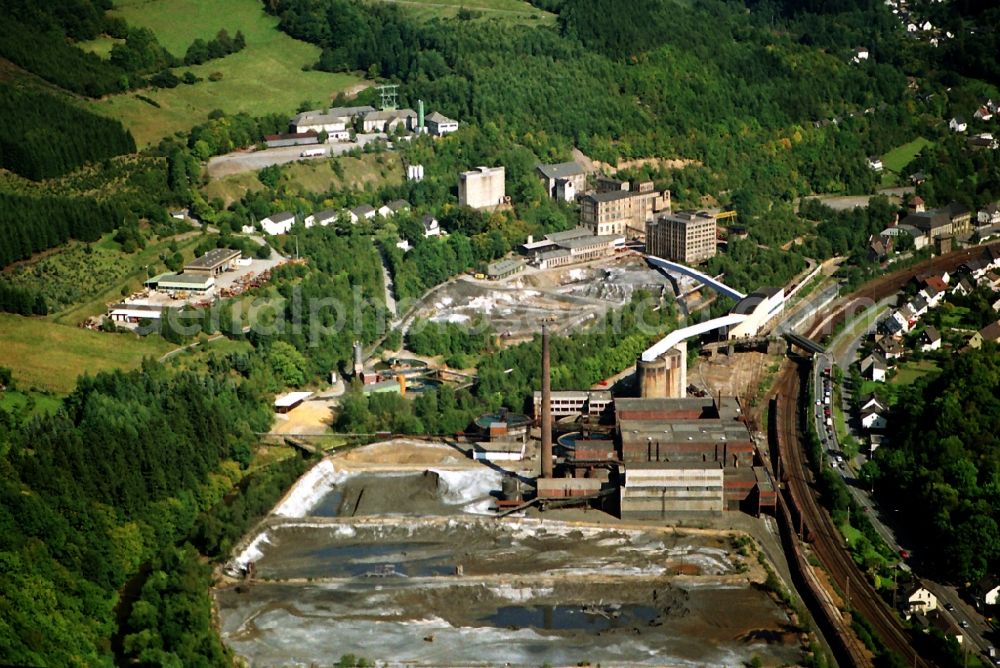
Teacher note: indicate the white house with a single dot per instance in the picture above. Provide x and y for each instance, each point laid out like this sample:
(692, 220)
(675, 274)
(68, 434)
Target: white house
(278, 223)
(860, 53)
(927, 26)
(871, 402)
(439, 124)
(403, 245)
(989, 215)
(432, 228)
(248, 229)
(393, 207)
(873, 420)
(958, 124)
(983, 114)
(988, 592)
(874, 367)
(362, 212)
(322, 218)
(920, 600)
(875, 163)
(930, 339)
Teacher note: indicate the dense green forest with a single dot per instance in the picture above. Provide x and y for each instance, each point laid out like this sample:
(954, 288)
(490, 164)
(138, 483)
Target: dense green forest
(942, 471)
(43, 136)
(118, 475)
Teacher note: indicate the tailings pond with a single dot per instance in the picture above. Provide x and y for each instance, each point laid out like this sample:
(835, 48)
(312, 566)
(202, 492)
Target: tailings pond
(407, 567)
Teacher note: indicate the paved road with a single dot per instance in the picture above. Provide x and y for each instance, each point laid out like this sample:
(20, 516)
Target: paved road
(251, 161)
(951, 604)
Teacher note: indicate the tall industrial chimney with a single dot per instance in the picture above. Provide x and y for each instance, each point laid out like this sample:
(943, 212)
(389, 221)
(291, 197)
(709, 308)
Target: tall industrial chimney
(546, 406)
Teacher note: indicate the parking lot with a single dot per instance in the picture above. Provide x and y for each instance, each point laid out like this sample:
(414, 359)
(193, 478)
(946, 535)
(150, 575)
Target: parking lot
(238, 162)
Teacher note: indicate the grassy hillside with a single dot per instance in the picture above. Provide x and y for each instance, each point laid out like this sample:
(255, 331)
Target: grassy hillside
(315, 176)
(45, 355)
(267, 76)
(510, 10)
(898, 158)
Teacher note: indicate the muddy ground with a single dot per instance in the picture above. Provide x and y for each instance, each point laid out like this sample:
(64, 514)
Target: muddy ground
(405, 564)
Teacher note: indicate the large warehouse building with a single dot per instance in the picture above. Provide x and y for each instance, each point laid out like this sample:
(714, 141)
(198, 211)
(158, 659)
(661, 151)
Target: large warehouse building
(687, 455)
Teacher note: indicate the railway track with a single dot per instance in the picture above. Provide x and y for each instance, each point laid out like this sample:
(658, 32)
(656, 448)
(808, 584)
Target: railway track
(827, 542)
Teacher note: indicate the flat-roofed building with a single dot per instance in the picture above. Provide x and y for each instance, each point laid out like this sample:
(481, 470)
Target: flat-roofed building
(623, 212)
(653, 490)
(581, 249)
(685, 236)
(565, 403)
(504, 269)
(562, 180)
(171, 282)
(482, 187)
(289, 401)
(213, 262)
(326, 120)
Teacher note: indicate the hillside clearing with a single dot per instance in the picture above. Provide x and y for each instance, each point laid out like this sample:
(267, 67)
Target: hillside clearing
(315, 176)
(510, 10)
(265, 77)
(49, 356)
(898, 158)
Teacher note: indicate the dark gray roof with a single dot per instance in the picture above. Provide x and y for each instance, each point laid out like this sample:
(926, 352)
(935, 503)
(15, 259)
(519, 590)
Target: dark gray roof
(281, 217)
(363, 209)
(561, 170)
(609, 196)
(326, 214)
(928, 220)
(213, 258)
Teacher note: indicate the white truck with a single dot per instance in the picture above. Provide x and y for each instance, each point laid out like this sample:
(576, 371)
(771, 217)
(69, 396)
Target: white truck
(313, 152)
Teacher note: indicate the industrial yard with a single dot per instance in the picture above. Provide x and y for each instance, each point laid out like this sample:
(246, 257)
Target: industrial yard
(393, 552)
(566, 297)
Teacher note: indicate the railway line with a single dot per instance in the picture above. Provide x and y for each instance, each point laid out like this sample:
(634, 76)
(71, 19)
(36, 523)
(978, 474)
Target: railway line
(812, 520)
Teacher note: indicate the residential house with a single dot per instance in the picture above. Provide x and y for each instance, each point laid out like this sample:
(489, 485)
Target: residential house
(991, 280)
(890, 348)
(983, 114)
(362, 212)
(934, 291)
(879, 248)
(403, 245)
(989, 215)
(860, 53)
(874, 367)
(917, 178)
(392, 208)
(278, 223)
(982, 141)
(432, 228)
(945, 625)
(895, 324)
(930, 339)
(988, 334)
(563, 180)
(919, 599)
(917, 204)
(873, 419)
(875, 163)
(958, 124)
(871, 402)
(398, 206)
(919, 306)
(988, 591)
(440, 125)
(322, 218)
(962, 287)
